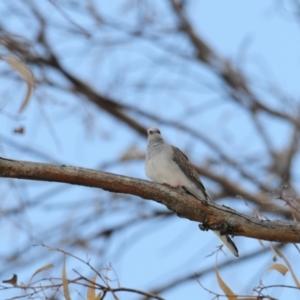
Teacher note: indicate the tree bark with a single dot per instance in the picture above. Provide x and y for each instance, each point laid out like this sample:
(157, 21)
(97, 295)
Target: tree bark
(213, 216)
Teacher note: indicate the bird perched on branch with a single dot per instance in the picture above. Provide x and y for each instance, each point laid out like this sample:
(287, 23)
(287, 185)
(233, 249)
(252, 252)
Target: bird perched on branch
(167, 165)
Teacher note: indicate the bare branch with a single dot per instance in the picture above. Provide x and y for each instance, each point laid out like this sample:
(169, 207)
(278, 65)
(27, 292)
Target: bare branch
(214, 216)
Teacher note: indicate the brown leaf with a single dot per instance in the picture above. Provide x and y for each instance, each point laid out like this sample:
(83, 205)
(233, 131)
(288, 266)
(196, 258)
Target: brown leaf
(19, 130)
(280, 254)
(279, 267)
(274, 251)
(91, 290)
(12, 281)
(99, 296)
(27, 75)
(65, 282)
(46, 267)
(227, 291)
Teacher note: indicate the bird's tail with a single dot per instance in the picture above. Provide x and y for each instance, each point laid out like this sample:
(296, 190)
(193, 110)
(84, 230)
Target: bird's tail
(227, 241)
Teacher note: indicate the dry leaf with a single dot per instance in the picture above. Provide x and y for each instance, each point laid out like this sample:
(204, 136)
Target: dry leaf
(279, 267)
(261, 243)
(19, 130)
(46, 267)
(280, 254)
(274, 251)
(27, 75)
(227, 291)
(12, 281)
(65, 282)
(91, 290)
(99, 296)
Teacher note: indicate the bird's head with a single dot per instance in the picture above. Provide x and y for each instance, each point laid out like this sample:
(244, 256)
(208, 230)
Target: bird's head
(154, 135)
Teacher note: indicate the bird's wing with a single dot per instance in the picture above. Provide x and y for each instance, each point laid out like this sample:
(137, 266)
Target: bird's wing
(188, 169)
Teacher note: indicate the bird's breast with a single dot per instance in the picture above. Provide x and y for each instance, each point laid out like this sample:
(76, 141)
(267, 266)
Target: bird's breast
(161, 168)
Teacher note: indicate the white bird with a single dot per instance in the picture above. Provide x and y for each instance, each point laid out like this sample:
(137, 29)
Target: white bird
(167, 165)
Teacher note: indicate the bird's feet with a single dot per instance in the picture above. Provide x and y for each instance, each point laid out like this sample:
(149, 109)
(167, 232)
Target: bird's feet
(204, 226)
(174, 187)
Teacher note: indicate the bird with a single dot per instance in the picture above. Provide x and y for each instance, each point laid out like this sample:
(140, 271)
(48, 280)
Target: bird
(166, 164)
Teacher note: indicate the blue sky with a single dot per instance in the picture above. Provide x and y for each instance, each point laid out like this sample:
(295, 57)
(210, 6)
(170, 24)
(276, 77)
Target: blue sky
(258, 37)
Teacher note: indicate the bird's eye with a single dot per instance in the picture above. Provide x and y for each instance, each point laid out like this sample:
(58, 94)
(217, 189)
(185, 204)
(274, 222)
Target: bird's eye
(153, 131)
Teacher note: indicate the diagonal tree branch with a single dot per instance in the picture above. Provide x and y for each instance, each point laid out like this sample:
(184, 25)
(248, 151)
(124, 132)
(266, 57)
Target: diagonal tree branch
(214, 216)
(234, 79)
